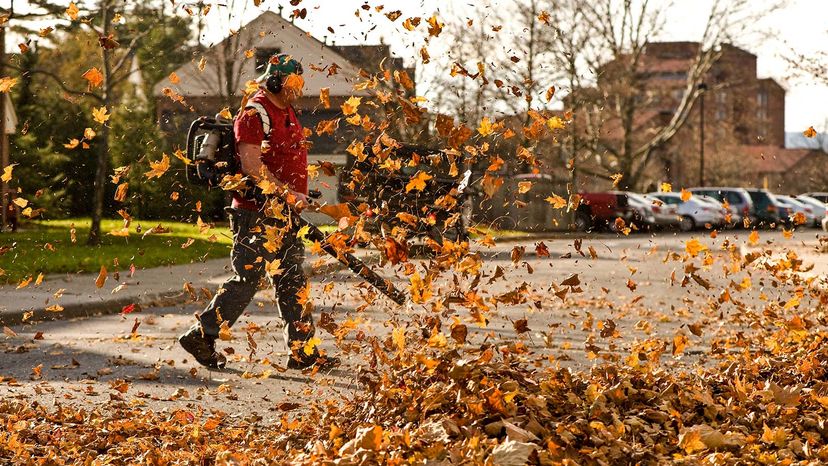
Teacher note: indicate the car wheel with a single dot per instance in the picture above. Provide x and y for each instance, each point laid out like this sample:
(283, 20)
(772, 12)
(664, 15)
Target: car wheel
(582, 222)
(686, 223)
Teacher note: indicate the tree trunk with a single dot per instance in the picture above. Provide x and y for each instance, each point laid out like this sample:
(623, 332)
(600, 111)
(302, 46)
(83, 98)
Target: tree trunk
(103, 152)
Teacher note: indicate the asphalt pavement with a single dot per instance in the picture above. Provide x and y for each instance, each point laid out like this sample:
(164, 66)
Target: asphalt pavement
(575, 304)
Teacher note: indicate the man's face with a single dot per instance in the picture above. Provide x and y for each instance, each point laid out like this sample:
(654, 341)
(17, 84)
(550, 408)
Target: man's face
(293, 87)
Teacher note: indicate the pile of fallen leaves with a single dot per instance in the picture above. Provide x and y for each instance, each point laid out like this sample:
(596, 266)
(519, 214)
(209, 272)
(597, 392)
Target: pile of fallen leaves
(765, 405)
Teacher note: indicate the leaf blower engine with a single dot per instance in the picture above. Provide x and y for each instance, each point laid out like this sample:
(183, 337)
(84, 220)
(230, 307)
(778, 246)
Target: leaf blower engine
(211, 148)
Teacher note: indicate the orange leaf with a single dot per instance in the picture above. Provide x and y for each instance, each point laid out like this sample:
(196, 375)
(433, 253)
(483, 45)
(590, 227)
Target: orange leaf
(99, 282)
(94, 76)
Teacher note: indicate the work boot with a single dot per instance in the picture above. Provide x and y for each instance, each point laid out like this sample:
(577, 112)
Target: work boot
(203, 348)
(317, 361)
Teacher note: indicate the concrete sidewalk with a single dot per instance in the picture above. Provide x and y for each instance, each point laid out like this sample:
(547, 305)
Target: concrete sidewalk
(69, 296)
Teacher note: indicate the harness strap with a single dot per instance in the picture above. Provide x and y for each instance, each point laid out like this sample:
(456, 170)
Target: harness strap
(263, 116)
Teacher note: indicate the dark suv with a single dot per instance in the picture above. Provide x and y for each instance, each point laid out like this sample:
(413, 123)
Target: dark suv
(766, 208)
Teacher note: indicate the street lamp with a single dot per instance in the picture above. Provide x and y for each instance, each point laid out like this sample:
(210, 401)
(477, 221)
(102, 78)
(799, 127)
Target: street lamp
(702, 88)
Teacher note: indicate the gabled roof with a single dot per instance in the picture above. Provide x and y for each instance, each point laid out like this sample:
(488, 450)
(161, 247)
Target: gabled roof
(774, 159)
(270, 31)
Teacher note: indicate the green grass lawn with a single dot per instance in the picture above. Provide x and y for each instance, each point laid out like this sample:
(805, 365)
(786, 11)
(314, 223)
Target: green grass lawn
(28, 252)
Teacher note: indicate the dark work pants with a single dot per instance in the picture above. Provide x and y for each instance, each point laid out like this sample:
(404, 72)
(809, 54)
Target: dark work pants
(248, 261)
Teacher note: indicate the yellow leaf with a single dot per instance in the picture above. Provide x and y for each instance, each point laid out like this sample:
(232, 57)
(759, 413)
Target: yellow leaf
(310, 345)
(121, 192)
(224, 331)
(485, 127)
(685, 195)
(39, 279)
(616, 178)
(524, 186)
(179, 154)
(679, 343)
(753, 238)
(99, 282)
(555, 123)
(810, 132)
(557, 201)
(325, 97)
(418, 182)
(55, 308)
(691, 441)
(273, 268)
(123, 232)
(225, 113)
(303, 232)
(357, 149)
(6, 83)
(174, 78)
(351, 105)
(20, 202)
(7, 173)
(202, 63)
(694, 247)
(72, 11)
(72, 144)
(157, 169)
(100, 115)
(398, 336)
(94, 77)
(666, 188)
(24, 283)
(89, 134)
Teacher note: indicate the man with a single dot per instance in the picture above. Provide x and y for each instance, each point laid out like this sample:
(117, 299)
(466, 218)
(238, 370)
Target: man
(264, 236)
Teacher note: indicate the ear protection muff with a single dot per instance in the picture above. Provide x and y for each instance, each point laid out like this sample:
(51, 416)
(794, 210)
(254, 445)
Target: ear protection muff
(275, 82)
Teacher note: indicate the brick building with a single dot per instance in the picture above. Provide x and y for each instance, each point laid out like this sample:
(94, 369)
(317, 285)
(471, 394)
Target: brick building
(744, 123)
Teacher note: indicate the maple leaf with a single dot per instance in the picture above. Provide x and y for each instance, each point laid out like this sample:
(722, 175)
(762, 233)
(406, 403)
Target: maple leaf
(685, 195)
(273, 268)
(7, 173)
(810, 132)
(491, 185)
(174, 78)
(6, 83)
(556, 201)
(485, 127)
(351, 105)
(694, 247)
(418, 181)
(325, 97)
(666, 188)
(524, 186)
(435, 27)
(157, 169)
(94, 77)
(309, 347)
(616, 178)
(555, 123)
(72, 11)
(100, 115)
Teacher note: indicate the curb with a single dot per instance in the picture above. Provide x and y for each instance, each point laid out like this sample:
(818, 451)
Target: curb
(116, 305)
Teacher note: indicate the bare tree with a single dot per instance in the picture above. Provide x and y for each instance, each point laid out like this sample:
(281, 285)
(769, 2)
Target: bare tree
(608, 40)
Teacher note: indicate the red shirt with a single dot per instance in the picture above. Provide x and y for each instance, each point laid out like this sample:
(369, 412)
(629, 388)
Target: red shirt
(284, 153)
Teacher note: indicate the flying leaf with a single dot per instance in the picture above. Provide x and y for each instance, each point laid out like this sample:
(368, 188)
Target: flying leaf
(325, 96)
(685, 195)
(666, 188)
(351, 105)
(6, 83)
(174, 78)
(99, 282)
(100, 115)
(7, 173)
(753, 238)
(273, 268)
(94, 77)
(157, 169)
(694, 247)
(485, 127)
(418, 182)
(555, 123)
(310, 346)
(72, 11)
(616, 178)
(556, 201)
(809, 133)
(524, 186)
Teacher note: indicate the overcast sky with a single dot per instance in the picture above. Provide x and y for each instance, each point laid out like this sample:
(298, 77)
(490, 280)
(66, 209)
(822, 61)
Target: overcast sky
(800, 25)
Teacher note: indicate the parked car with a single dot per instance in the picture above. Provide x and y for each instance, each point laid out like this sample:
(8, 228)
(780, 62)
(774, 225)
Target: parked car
(737, 199)
(600, 209)
(820, 196)
(666, 215)
(820, 208)
(694, 212)
(767, 209)
(796, 207)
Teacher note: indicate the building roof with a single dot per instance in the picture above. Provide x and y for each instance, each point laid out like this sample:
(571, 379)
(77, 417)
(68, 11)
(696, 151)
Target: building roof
(773, 159)
(267, 31)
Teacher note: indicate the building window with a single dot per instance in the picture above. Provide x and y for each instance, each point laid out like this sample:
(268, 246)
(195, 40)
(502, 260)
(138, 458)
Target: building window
(762, 105)
(263, 56)
(721, 106)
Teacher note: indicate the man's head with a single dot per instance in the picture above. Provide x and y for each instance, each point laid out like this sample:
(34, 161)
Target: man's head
(282, 76)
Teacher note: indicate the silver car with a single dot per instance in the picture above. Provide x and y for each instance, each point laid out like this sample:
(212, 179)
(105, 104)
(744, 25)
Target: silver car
(738, 200)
